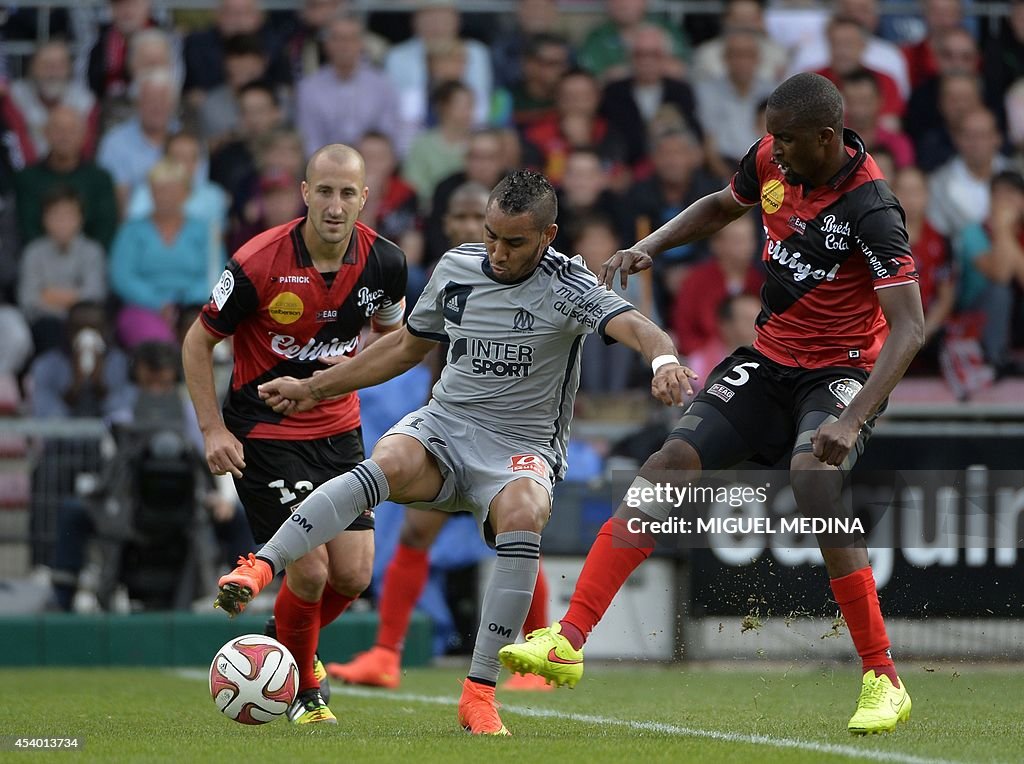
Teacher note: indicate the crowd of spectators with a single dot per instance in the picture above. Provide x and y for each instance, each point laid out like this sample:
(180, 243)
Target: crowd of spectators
(141, 146)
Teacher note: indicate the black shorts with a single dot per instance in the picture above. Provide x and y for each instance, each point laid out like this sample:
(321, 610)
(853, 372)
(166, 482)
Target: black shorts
(752, 408)
(279, 474)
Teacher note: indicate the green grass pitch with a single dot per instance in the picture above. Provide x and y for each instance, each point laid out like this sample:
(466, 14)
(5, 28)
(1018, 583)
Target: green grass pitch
(741, 713)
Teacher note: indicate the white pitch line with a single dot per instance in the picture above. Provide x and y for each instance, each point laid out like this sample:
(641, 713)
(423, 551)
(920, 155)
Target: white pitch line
(665, 729)
(659, 727)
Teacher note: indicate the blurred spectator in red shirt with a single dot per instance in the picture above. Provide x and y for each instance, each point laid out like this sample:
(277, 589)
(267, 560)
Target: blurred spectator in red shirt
(48, 85)
(276, 201)
(731, 270)
(109, 71)
(923, 58)
(391, 207)
(958, 55)
(847, 40)
(575, 123)
(545, 60)
(735, 321)
(930, 249)
(863, 104)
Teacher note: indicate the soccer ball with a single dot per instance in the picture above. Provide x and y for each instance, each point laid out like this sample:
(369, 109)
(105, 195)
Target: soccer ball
(253, 679)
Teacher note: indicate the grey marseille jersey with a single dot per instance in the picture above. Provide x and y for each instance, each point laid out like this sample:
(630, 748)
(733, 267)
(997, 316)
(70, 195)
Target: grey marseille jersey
(514, 353)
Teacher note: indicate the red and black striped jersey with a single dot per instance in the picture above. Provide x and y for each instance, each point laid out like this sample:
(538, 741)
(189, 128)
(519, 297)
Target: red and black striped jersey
(286, 316)
(828, 248)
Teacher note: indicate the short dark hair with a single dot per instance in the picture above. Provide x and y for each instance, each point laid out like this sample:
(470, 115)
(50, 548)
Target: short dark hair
(1009, 178)
(587, 150)
(588, 221)
(444, 92)
(62, 192)
(846, 21)
(183, 135)
(860, 76)
(577, 71)
(261, 86)
(812, 99)
(376, 135)
(526, 192)
(157, 356)
(535, 43)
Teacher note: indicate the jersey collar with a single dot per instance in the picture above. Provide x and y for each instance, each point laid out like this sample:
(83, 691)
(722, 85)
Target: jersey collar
(860, 153)
(305, 260)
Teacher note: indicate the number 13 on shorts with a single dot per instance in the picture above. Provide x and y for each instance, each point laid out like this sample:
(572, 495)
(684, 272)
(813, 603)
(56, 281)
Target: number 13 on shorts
(288, 497)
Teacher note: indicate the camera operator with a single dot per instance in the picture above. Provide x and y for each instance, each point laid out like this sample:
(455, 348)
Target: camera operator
(157, 462)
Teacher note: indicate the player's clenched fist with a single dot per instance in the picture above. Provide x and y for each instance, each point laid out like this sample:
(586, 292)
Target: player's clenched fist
(671, 383)
(287, 395)
(833, 441)
(627, 262)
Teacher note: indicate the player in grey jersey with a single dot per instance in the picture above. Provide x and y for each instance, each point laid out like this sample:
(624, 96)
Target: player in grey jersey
(492, 439)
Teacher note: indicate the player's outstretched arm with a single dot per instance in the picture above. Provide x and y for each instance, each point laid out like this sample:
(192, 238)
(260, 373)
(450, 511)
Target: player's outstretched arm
(698, 221)
(223, 451)
(671, 379)
(901, 306)
(393, 354)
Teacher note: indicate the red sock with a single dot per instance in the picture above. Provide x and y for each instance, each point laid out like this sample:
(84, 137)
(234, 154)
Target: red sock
(403, 584)
(298, 627)
(858, 600)
(615, 554)
(537, 617)
(332, 605)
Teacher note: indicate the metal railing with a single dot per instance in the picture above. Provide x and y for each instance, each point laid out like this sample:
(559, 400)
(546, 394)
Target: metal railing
(58, 455)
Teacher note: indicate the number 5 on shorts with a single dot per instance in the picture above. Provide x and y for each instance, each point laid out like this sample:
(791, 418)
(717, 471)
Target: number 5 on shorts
(739, 375)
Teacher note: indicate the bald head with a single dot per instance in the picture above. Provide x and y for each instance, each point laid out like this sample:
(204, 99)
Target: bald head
(334, 192)
(469, 191)
(334, 155)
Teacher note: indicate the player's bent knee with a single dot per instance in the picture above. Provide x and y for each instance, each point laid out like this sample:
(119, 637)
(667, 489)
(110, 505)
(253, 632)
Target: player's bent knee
(352, 582)
(674, 454)
(397, 471)
(307, 576)
(406, 465)
(815, 485)
(526, 517)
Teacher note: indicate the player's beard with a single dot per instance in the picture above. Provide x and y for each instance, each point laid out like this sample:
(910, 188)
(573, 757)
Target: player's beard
(333, 235)
(510, 278)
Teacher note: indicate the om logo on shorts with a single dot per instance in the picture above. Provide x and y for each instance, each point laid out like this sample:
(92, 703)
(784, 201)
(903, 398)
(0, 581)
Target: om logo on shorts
(529, 462)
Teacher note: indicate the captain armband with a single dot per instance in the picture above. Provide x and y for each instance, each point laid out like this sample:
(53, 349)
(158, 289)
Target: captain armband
(389, 315)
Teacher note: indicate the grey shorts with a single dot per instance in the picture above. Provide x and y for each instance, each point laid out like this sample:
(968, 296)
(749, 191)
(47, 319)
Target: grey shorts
(475, 463)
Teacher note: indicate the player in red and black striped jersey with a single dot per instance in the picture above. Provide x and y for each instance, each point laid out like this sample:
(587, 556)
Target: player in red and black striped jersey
(841, 320)
(295, 299)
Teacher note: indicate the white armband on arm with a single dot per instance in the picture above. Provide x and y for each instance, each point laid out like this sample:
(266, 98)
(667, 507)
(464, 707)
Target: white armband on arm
(390, 315)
